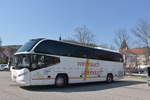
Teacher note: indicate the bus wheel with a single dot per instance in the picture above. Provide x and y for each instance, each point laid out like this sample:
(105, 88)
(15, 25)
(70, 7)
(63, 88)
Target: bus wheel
(61, 80)
(109, 78)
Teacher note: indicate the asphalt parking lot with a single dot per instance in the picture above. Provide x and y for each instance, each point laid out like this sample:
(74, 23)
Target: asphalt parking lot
(126, 89)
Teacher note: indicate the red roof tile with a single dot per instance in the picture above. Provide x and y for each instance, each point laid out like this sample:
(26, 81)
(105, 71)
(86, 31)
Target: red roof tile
(132, 50)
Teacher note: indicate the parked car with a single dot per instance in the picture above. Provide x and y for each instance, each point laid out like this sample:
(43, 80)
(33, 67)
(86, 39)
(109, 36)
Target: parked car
(4, 67)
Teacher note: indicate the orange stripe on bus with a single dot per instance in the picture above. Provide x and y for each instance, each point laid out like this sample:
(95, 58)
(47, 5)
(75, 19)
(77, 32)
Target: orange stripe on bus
(42, 78)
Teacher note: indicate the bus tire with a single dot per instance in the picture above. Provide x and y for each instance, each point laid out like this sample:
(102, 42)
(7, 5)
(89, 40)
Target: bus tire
(109, 78)
(61, 80)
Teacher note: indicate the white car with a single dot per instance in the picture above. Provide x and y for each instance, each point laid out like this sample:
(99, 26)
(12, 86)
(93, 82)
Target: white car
(4, 67)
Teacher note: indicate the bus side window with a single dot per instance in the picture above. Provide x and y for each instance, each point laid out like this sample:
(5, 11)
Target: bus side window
(51, 60)
(40, 61)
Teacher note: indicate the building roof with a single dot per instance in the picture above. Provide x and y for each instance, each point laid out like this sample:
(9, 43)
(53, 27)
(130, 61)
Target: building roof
(132, 50)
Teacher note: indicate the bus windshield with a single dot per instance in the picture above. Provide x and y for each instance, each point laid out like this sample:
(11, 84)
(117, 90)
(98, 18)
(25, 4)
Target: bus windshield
(28, 46)
(21, 61)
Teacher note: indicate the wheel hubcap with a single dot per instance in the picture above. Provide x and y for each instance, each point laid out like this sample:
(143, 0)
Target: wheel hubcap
(60, 81)
(109, 78)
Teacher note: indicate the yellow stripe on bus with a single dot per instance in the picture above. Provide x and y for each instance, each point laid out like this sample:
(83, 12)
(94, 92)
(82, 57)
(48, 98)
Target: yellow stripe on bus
(86, 68)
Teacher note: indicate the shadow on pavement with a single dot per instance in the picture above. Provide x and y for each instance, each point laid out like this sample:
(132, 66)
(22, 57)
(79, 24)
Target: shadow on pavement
(96, 86)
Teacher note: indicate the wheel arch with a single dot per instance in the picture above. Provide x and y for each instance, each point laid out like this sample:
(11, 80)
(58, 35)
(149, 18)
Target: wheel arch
(64, 75)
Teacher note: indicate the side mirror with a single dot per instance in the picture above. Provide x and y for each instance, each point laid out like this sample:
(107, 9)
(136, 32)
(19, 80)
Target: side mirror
(148, 71)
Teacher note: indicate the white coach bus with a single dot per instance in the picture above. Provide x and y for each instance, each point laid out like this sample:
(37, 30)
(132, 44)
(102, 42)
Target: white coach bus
(48, 62)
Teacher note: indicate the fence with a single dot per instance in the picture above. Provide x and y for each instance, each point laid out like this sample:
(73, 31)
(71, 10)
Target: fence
(135, 70)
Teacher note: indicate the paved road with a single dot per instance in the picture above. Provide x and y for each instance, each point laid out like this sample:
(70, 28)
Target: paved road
(126, 89)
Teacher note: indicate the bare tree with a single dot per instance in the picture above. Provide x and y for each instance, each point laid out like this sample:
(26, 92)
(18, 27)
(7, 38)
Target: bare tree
(0, 42)
(142, 32)
(104, 45)
(0, 50)
(84, 35)
(121, 36)
(112, 47)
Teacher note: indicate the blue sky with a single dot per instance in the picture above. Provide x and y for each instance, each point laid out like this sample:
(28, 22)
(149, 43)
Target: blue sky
(21, 20)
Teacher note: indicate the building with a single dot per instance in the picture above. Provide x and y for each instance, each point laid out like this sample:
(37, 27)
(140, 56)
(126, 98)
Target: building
(134, 58)
(6, 52)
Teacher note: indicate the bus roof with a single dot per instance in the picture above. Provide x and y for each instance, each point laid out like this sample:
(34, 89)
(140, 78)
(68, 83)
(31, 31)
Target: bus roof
(107, 49)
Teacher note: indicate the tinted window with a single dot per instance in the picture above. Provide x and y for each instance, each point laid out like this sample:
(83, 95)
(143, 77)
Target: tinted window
(71, 50)
(33, 61)
(48, 47)
(54, 48)
(108, 56)
(28, 46)
(42, 47)
(21, 61)
(41, 61)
